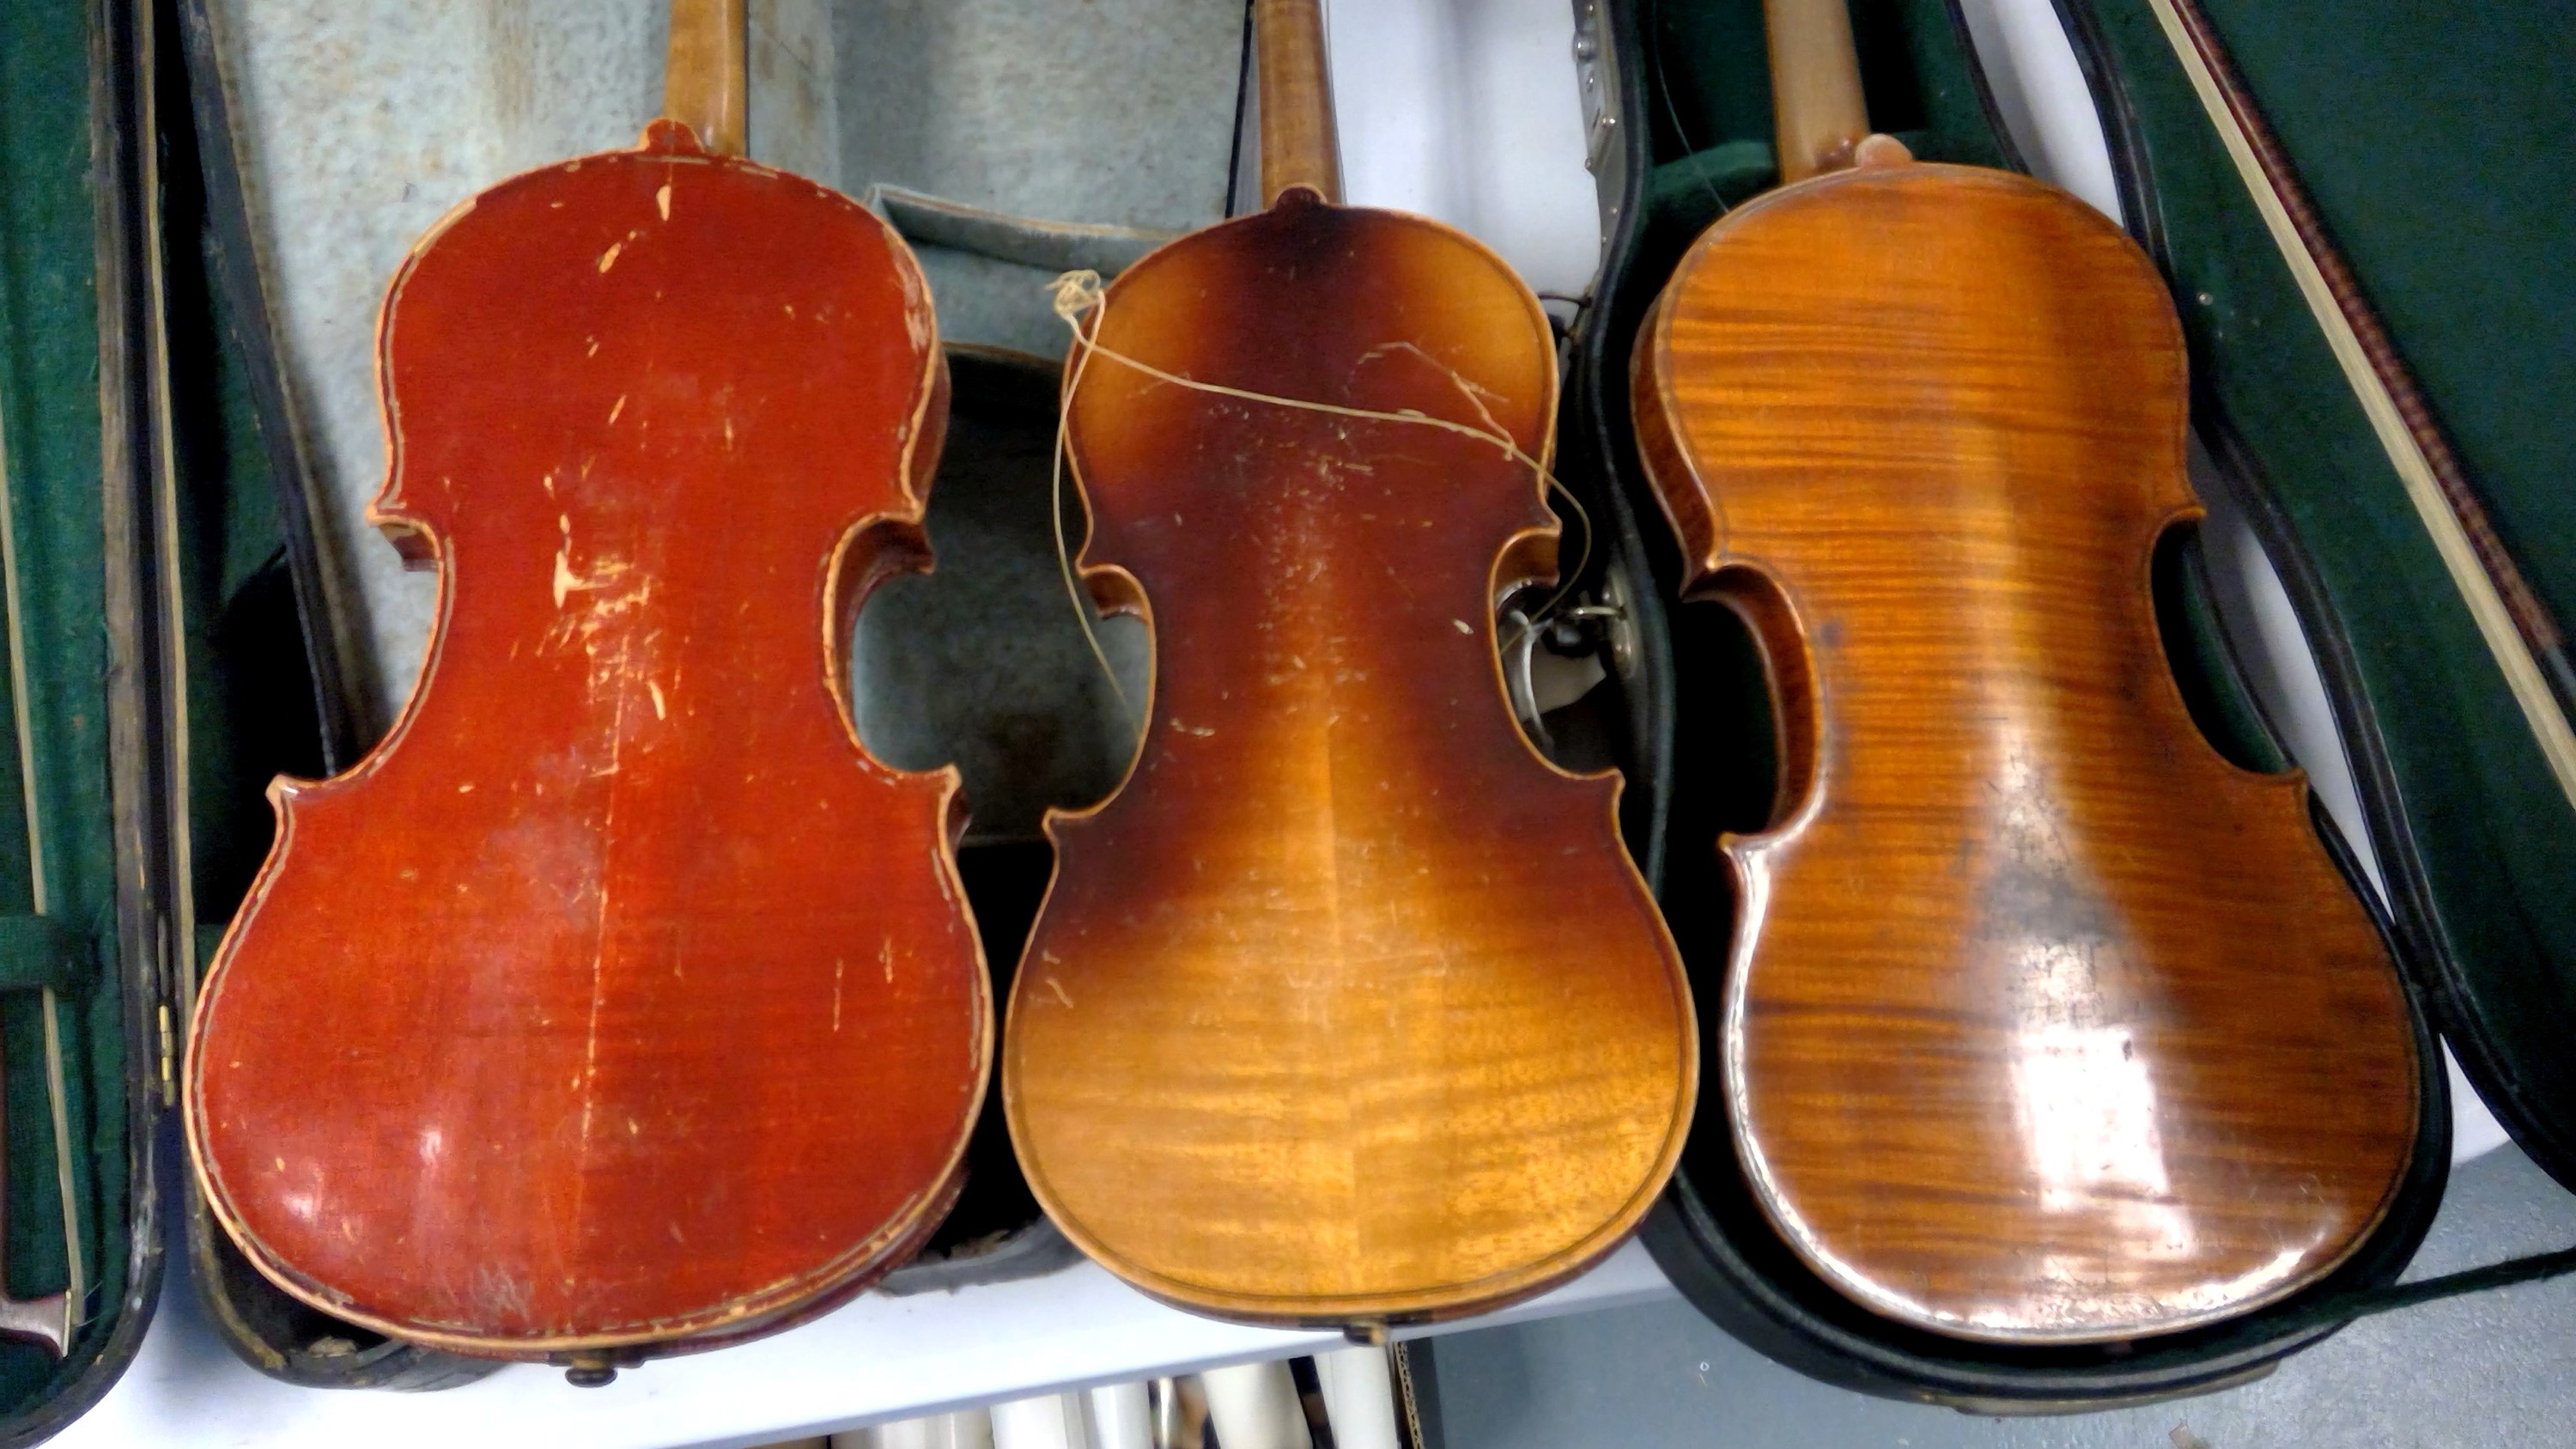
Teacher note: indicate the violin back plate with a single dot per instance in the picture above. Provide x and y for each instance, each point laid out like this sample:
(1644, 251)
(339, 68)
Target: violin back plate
(619, 997)
(1347, 1006)
(2044, 1023)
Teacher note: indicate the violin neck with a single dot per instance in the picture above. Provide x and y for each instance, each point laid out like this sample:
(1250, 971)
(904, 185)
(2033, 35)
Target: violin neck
(703, 85)
(1818, 116)
(1298, 148)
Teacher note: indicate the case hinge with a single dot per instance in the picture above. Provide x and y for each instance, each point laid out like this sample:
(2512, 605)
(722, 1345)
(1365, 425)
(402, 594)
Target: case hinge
(1592, 77)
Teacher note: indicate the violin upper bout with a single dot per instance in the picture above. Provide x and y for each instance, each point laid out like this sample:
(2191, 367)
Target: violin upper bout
(1992, 272)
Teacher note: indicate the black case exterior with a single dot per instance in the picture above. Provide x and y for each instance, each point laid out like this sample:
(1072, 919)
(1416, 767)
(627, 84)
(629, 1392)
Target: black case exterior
(1705, 686)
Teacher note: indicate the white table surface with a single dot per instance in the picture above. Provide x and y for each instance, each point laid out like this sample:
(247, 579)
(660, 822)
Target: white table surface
(877, 1359)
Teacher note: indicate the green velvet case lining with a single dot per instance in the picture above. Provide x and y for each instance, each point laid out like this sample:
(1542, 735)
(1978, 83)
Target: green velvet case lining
(2434, 144)
(50, 430)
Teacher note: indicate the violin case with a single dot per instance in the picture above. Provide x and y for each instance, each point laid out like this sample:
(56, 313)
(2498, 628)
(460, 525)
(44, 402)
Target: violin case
(158, 586)
(89, 943)
(2466, 825)
(159, 669)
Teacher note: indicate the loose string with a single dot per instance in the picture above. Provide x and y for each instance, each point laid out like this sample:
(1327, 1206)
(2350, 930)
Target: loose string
(1055, 479)
(1079, 295)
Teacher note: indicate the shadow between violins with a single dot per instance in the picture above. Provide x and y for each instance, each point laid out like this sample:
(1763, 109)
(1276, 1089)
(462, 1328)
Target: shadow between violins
(983, 663)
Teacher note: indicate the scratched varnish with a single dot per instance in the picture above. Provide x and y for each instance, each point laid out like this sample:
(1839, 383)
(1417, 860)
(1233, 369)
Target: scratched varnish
(1348, 1005)
(619, 997)
(2044, 1022)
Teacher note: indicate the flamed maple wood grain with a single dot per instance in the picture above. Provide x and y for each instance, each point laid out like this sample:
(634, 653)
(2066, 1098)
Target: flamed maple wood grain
(2043, 1022)
(1347, 1006)
(619, 997)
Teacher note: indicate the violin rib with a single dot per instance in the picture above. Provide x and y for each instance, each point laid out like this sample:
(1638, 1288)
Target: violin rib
(1347, 1006)
(619, 997)
(2044, 1023)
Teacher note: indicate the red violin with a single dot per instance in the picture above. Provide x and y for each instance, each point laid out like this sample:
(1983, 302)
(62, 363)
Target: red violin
(619, 1000)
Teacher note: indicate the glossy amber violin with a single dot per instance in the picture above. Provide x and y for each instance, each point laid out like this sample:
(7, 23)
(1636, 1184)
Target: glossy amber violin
(618, 1000)
(2044, 1022)
(1348, 1006)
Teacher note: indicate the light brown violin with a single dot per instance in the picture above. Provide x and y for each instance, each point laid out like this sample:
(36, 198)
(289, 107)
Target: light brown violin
(619, 1001)
(1347, 1007)
(2044, 1023)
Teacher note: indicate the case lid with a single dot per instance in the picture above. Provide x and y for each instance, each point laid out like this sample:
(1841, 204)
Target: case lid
(2432, 145)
